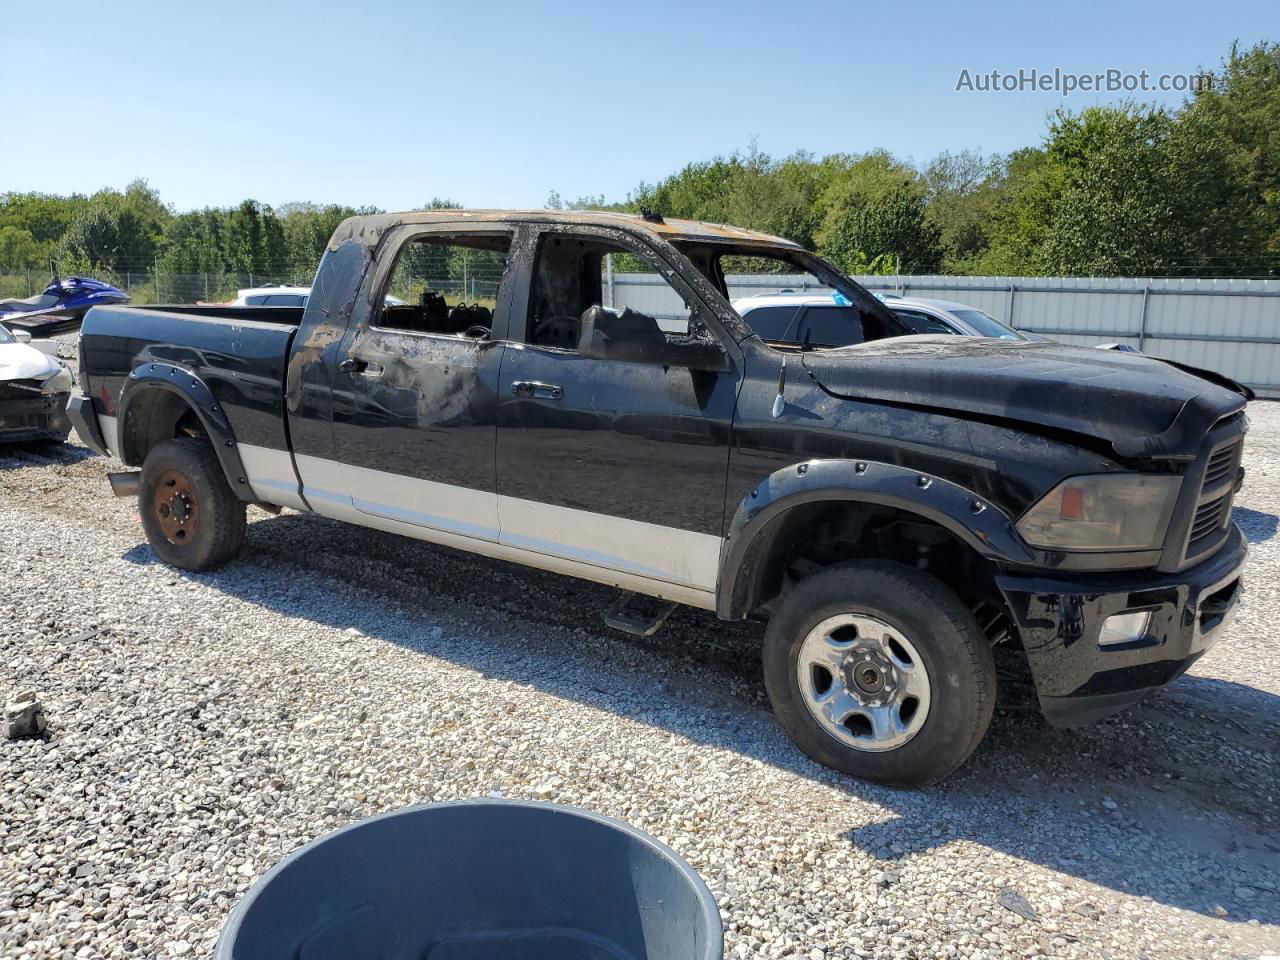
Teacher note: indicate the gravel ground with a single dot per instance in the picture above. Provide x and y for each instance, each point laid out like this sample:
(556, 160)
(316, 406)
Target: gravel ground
(201, 726)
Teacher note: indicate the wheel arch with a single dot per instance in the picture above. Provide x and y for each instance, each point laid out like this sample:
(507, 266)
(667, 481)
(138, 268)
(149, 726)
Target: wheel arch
(782, 499)
(156, 402)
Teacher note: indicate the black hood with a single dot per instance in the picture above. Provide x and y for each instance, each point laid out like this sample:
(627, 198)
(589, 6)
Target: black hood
(1144, 408)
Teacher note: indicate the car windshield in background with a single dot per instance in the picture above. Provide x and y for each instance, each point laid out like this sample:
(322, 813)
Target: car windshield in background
(6, 336)
(987, 326)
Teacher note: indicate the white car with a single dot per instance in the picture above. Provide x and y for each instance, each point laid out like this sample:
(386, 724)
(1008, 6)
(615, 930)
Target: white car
(821, 320)
(947, 316)
(34, 388)
(283, 295)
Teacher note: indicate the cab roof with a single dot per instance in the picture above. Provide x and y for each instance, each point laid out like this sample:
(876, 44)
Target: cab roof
(370, 227)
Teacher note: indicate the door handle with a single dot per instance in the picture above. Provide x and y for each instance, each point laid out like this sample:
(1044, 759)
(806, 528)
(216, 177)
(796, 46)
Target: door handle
(537, 390)
(361, 368)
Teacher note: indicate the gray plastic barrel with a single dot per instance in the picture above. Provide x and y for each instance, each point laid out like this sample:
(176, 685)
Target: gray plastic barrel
(478, 880)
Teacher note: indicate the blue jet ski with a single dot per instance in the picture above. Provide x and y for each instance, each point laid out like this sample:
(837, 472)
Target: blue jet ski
(60, 307)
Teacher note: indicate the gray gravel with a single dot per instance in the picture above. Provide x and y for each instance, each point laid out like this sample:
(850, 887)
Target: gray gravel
(201, 726)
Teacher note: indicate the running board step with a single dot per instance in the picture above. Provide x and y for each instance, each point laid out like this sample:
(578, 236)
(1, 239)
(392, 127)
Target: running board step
(638, 622)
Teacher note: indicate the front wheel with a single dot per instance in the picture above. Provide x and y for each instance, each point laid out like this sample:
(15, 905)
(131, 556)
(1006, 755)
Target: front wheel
(192, 518)
(878, 670)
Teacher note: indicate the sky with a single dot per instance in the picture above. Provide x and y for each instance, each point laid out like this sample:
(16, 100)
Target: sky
(495, 104)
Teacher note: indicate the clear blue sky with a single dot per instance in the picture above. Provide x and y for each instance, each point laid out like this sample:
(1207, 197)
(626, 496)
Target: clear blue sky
(495, 103)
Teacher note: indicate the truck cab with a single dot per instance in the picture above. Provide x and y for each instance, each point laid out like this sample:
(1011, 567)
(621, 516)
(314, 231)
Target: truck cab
(893, 508)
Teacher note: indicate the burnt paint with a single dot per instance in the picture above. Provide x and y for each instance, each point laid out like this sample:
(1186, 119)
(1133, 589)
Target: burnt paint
(308, 388)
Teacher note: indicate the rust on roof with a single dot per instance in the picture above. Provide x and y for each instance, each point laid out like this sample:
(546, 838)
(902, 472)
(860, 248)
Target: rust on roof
(369, 228)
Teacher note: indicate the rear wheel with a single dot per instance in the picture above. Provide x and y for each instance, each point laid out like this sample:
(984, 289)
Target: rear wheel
(192, 518)
(878, 670)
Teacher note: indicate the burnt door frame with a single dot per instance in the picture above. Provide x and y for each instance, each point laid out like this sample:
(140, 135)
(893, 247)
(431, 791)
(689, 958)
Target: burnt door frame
(414, 413)
(621, 466)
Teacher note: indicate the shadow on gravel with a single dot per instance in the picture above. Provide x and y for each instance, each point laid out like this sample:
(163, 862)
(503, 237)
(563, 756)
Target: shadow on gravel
(1175, 800)
(1258, 527)
(15, 456)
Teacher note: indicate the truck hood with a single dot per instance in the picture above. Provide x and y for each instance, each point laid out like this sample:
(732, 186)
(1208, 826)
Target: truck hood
(18, 361)
(1144, 408)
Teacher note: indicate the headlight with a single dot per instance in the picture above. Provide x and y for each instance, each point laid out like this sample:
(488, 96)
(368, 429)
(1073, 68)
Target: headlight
(1111, 511)
(60, 382)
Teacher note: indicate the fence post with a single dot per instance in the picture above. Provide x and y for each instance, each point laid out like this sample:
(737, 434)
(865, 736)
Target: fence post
(1142, 318)
(608, 272)
(30, 292)
(206, 285)
(1013, 289)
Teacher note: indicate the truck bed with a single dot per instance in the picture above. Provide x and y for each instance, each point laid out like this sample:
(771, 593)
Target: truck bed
(239, 352)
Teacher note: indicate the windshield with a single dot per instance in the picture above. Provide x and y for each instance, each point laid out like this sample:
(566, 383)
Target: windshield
(827, 309)
(987, 326)
(6, 336)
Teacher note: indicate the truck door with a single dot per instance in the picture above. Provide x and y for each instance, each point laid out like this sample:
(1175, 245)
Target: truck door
(415, 390)
(614, 465)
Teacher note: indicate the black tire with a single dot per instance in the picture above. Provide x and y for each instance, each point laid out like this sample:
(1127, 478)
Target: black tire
(955, 653)
(213, 529)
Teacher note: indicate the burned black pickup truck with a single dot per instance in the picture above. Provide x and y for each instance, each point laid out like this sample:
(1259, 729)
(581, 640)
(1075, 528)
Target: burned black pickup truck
(895, 508)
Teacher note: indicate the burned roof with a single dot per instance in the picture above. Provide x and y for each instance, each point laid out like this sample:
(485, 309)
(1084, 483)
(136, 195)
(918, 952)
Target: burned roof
(369, 229)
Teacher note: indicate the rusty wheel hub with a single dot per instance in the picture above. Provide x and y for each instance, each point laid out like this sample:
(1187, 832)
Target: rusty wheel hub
(176, 508)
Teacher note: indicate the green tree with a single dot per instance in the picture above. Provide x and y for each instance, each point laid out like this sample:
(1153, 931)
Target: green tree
(19, 249)
(892, 225)
(1241, 111)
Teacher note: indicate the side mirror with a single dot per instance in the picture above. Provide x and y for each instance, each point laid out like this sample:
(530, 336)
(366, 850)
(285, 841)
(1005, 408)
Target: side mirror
(605, 334)
(22, 336)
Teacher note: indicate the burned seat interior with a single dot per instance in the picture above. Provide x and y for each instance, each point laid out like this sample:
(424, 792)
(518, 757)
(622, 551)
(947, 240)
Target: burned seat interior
(446, 284)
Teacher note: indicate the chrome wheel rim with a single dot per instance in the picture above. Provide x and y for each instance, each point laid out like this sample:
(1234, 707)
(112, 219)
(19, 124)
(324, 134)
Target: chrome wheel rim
(864, 682)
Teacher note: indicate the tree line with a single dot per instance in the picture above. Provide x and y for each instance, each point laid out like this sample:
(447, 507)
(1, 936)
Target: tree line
(1124, 190)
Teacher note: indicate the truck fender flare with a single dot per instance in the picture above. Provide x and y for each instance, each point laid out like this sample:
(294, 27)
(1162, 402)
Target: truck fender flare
(174, 379)
(972, 518)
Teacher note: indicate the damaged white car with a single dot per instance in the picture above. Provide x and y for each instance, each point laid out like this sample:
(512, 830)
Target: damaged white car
(34, 388)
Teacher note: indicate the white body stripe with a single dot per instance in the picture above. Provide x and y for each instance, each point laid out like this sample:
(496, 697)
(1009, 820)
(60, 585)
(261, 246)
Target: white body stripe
(642, 549)
(424, 503)
(648, 558)
(270, 475)
(110, 434)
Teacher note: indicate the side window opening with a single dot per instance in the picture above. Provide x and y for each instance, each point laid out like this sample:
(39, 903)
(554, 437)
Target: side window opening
(446, 284)
(572, 274)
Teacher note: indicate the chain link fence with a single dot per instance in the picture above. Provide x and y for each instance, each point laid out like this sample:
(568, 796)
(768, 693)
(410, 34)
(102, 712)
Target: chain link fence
(153, 286)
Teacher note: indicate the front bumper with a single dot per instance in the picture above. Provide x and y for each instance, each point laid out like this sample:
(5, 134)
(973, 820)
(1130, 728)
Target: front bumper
(41, 416)
(1059, 619)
